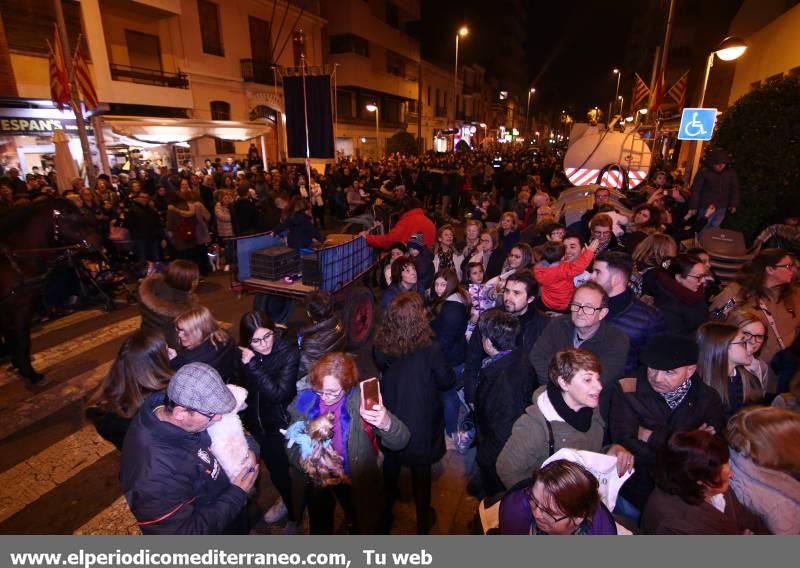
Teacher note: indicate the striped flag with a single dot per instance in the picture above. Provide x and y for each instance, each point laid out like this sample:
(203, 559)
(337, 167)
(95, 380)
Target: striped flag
(677, 92)
(658, 96)
(84, 79)
(59, 82)
(640, 92)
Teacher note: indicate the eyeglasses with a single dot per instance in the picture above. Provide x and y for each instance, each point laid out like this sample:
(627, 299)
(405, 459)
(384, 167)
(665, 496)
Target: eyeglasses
(697, 276)
(536, 505)
(748, 337)
(588, 310)
(328, 394)
(210, 416)
(786, 265)
(260, 340)
(510, 255)
(486, 241)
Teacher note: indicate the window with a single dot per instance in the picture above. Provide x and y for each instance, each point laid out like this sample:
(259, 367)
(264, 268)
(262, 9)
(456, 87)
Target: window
(298, 46)
(344, 104)
(220, 110)
(260, 34)
(395, 64)
(390, 112)
(392, 15)
(349, 43)
(210, 31)
(144, 50)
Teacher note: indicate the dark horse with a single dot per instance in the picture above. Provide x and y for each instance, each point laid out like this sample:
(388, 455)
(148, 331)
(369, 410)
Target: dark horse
(34, 239)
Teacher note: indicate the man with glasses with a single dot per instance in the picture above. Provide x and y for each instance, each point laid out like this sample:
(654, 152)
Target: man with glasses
(170, 478)
(587, 329)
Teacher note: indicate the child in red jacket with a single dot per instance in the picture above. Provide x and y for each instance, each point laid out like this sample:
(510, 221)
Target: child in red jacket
(555, 276)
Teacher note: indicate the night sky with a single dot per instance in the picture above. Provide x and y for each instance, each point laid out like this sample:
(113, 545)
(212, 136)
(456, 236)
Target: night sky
(572, 47)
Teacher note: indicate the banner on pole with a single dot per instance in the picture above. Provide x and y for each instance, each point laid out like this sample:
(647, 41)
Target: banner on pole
(320, 116)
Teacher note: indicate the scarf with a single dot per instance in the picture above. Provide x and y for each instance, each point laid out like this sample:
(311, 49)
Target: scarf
(496, 357)
(580, 420)
(445, 258)
(674, 398)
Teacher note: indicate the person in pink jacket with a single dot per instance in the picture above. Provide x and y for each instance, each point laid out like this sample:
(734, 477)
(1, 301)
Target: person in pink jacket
(555, 275)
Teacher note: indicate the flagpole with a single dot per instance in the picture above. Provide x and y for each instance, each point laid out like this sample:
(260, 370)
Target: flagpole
(76, 107)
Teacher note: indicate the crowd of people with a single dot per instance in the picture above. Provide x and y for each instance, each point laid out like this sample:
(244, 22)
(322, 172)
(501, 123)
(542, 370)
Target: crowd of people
(609, 342)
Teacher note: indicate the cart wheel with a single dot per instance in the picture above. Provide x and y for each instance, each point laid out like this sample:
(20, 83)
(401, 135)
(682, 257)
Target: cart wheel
(359, 316)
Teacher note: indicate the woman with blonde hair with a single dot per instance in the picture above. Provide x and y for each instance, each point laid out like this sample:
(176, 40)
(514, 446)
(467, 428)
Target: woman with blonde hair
(140, 369)
(414, 375)
(754, 334)
(722, 364)
(649, 258)
(445, 253)
(202, 340)
(508, 231)
(765, 459)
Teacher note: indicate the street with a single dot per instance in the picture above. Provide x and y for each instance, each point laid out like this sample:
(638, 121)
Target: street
(57, 476)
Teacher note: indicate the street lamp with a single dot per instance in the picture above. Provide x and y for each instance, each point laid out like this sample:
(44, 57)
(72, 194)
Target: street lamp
(531, 91)
(729, 49)
(462, 32)
(374, 108)
(621, 103)
(618, 73)
(483, 125)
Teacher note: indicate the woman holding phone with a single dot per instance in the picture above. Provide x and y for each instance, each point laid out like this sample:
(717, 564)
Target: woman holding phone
(414, 375)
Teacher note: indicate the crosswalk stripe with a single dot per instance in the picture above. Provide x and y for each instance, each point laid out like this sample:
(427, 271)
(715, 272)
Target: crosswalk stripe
(116, 519)
(66, 321)
(47, 358)
(29, 480)
(51, 401)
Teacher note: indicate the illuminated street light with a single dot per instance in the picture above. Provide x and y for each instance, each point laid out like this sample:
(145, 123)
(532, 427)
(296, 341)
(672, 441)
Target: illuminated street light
(731, 48)
(531, 91)
(462, 32)
(374, 108)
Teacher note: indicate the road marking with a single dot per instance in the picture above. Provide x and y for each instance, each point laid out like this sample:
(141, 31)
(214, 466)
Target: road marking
(66, 321)
(44, 360)
(116, 519)
(31, 479)
(50, 401)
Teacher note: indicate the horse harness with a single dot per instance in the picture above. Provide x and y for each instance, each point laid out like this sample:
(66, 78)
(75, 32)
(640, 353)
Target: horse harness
(63, 253)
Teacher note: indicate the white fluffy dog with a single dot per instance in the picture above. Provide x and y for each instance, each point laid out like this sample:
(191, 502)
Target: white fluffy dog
(228, 443)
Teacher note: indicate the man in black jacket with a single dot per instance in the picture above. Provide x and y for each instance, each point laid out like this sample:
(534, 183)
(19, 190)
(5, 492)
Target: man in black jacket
(245, 215)
(518, 296)
(637, 320)
(170, 478)
(587, 328)
(144, 227)
(666, 396)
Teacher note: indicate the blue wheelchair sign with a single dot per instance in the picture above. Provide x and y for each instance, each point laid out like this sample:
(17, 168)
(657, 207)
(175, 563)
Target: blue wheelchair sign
(697, 123)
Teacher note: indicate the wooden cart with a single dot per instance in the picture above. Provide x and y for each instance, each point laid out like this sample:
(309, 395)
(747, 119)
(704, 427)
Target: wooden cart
(347, 285)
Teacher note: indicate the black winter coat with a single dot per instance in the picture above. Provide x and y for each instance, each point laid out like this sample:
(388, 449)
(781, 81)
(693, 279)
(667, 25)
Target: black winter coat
(504, 392)
(450, 327)
(532, 324)
(143, 223)
(638, 321)
(680, 317)
(411, 387)
(246, 217)
(173, 483)
(221, 357)
(271, 383)
(634, 403)
(320, 338)
(301, 231)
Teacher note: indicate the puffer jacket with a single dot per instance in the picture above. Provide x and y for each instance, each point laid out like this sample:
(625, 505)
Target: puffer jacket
(771, 494)
(271, 383)
(320, 338)
(159, 303)
(529, 444)
(450, 326)
(173, 483)
(638, 321)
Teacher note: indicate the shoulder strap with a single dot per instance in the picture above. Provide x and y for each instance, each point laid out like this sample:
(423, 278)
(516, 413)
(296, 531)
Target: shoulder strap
(772, 324)
(550, 440)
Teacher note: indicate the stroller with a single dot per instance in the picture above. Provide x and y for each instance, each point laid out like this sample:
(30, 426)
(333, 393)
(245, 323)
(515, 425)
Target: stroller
(98, 281)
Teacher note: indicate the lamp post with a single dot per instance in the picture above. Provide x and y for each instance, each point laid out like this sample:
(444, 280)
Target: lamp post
(618, 73)
(621, 100)
(528, 112)
(462, 32)
(729, 49)
(374, 108)
(483, 125)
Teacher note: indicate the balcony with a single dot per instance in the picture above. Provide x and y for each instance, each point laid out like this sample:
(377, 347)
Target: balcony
(441, 112)
(154, 77)
(254, 71)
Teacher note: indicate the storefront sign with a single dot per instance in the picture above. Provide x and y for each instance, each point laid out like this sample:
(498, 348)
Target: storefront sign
(37, 126)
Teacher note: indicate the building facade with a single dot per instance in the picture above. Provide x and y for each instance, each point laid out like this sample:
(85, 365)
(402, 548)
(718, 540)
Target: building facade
(167, 71)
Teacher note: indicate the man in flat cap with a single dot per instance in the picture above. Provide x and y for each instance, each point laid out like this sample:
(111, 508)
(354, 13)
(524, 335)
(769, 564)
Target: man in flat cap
(170, 478)
(666, 396)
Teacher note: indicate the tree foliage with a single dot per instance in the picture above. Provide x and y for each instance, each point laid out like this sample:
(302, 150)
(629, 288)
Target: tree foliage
(402, 142)
(761, 131)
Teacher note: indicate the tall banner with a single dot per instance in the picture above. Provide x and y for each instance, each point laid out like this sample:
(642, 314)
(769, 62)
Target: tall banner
(316, 97)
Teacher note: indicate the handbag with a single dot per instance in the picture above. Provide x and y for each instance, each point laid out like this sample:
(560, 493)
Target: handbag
(118, 234)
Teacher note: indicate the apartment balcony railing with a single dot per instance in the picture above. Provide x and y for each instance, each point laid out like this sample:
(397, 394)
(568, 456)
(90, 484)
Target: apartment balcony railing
(144, 76)
(254, 71)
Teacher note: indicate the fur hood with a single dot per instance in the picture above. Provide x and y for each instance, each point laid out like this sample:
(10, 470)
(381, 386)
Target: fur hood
(157, 296)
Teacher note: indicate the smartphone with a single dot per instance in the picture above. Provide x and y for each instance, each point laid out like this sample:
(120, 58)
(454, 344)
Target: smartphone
(370, 393)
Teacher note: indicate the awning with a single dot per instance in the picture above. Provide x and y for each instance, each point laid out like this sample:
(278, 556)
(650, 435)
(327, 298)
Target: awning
(175, 130)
